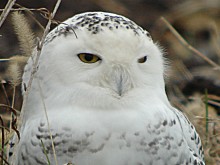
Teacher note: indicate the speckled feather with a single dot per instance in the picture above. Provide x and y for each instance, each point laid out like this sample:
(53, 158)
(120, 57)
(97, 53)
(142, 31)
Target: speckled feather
(114, 111)
(95, 23)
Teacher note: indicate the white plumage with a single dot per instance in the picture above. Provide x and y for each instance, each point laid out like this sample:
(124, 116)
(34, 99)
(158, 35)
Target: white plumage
(102, 80)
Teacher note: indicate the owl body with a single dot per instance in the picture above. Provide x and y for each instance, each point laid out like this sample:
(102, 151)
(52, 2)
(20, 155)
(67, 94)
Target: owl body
(97, 137)
(100, 79)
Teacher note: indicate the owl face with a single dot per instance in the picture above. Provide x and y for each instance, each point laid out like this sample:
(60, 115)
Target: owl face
(103, 55)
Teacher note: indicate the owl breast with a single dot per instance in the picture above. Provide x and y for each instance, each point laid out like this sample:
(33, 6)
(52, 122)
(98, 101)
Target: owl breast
(104, 138)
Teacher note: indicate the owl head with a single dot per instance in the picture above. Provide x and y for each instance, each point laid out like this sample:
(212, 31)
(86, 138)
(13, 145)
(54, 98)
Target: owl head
(98, 57)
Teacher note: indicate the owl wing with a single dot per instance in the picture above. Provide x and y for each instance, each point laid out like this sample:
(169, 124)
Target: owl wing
(192, 137)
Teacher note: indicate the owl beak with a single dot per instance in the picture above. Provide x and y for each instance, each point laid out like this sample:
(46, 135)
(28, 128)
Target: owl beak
(120, 80)
(119, 85)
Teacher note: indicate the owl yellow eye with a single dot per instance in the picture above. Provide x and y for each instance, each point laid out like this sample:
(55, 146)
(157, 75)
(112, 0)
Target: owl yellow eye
(142, 60)
(88, 58)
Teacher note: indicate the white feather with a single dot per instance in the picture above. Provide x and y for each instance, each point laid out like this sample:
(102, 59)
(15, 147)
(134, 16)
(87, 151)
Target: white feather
(114, 111)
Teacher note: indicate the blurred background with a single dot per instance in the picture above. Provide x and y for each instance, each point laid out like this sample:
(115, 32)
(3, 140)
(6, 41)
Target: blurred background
(188, 75)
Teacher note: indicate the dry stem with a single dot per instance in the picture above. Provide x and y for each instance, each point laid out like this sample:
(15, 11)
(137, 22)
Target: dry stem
(3, 140)
(6, 11)
(4, 60)
(187, 45)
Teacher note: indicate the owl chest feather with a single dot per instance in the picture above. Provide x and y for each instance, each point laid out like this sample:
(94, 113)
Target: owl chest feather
(85, 138)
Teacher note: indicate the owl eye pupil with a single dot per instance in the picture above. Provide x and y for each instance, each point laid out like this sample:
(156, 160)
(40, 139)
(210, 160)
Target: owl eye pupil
(143, 59)
(88, 57)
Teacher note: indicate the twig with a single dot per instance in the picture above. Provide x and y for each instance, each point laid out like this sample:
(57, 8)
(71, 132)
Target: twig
(13, 110)
(43, 10)
(45, 151)
(5, 93)
(4, 60)
(212, 99)
(186, 44)
(3, 140)
(37, 22)
(5, 161)
(6, 128)
(13, 98)
(214, 103)
(12, 113)
(6, 11)
(14, 121)
(211, 120)
(207, 114)
(48, 124)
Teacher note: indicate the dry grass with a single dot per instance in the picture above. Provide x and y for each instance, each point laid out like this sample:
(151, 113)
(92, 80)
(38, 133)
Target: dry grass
(199, 111)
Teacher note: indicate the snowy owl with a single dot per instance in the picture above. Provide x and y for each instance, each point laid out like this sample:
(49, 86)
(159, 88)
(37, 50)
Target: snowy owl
(100, 78)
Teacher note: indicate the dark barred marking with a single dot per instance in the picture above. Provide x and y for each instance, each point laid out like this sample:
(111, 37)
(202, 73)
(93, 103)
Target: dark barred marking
(96, 22)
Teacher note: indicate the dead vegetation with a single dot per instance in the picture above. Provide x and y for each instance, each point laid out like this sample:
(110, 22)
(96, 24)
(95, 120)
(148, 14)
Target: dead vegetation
(189, 31)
